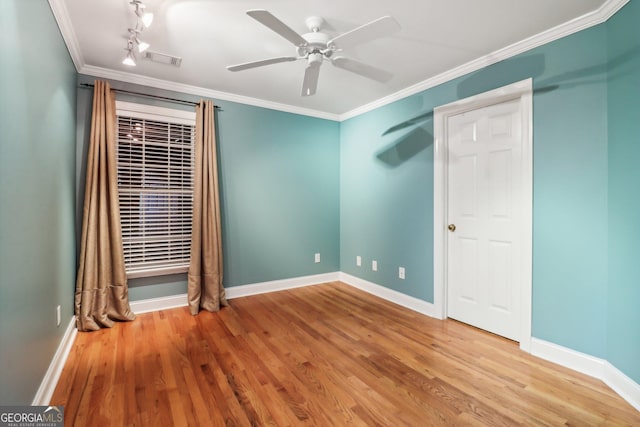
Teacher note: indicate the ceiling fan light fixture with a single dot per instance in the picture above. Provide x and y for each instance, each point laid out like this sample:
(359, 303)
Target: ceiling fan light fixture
(315, 59)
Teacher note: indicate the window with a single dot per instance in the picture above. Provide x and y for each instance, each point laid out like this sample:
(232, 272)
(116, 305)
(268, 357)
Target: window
(155, 158)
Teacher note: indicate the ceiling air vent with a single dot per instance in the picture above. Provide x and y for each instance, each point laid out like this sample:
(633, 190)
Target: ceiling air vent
(162, 58)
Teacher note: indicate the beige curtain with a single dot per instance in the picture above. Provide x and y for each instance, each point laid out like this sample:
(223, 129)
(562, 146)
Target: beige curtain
(205, 289)
(101, 288)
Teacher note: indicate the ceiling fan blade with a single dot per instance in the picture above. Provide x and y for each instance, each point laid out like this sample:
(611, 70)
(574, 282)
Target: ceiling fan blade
(381, 27)
(310, 82)
(362, 69)
(262, 63)
(276, 25)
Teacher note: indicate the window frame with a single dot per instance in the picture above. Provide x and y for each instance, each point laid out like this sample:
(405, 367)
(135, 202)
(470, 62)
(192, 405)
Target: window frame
(164, 115)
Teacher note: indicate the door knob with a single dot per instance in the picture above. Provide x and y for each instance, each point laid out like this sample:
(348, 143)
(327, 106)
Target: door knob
(452, 227)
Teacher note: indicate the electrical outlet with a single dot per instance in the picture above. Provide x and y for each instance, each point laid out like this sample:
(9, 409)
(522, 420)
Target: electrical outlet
(374, 265)
(401, 272)
(317, 258)
(358, 260)
(58, 316)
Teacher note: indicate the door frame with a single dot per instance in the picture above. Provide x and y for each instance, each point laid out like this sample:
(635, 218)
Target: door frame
(522, 91)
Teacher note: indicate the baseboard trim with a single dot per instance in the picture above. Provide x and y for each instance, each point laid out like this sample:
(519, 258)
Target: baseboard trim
(180, 300)
(156, 304)
(628, 389)
(280, 285)
(581, 362)
(396, 297)
(51, 377)
(174, 301)
(595, 367)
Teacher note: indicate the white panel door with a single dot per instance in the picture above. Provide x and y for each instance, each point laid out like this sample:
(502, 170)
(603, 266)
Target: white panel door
(484, 250)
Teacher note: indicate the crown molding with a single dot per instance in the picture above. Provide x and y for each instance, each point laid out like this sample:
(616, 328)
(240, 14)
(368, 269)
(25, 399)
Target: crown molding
(201, 91)
(609, 8)
(606, 11)
(66, 29)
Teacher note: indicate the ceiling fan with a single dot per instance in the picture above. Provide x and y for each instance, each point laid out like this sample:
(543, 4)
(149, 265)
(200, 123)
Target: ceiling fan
(317, 46)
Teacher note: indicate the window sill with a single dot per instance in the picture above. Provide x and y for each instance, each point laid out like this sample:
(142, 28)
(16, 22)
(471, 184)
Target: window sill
(157, 271)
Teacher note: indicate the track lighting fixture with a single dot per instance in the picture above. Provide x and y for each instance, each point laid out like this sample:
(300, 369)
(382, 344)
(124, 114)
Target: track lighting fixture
(144, 19)
(129, 60)
(142, 46)
(147, 19)
(133, 36)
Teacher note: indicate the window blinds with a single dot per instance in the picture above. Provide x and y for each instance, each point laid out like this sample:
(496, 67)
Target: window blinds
(155, 159)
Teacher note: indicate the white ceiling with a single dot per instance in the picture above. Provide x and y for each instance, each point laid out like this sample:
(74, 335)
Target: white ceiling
(438, 40)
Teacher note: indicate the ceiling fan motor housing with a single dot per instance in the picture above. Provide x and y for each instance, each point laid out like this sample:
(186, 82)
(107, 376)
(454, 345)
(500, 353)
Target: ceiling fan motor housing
(316, 41)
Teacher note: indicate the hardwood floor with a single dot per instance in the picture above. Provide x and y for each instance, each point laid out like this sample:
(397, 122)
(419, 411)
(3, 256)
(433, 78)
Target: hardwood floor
(325, 355)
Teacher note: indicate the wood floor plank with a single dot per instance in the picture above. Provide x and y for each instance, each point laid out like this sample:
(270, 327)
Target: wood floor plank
(325, 355)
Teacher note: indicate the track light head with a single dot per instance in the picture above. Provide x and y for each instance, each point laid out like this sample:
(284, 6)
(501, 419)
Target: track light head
(130, 59)
(142, 46)
(145, 17)
(133, 37)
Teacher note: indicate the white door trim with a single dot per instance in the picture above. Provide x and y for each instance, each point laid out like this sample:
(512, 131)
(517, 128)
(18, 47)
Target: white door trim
(523, 91)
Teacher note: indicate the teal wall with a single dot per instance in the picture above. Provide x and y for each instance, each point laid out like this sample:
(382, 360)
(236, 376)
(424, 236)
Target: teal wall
(280, 194)
(386, 195)
(570, 194)
(623, 326)
(37, 246)
(279, 187)
(387, 186)
(586, 278)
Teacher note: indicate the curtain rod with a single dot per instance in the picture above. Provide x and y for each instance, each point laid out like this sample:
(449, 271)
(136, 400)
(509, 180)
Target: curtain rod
(146, 95)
